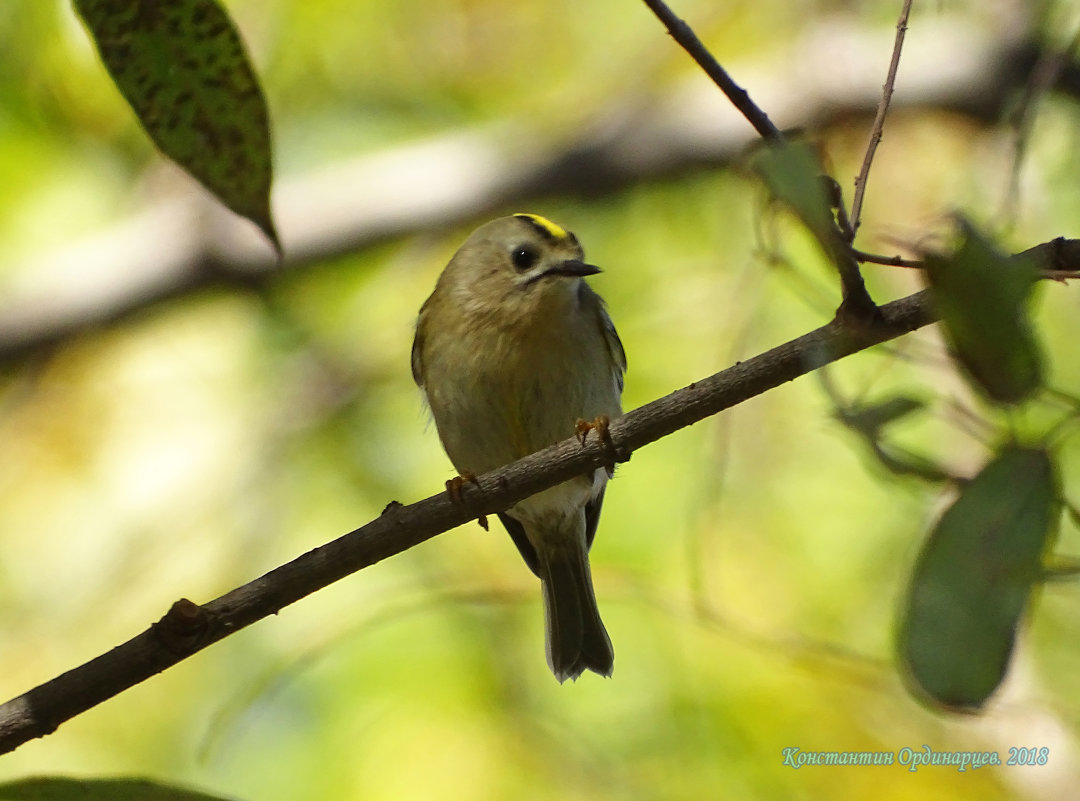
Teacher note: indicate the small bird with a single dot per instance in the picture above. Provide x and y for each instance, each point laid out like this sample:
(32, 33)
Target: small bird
(513, 352)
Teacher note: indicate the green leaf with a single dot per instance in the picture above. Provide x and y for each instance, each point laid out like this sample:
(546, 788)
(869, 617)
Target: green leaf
(61, 789)
(793, 175)
(974, 578)
(982, 296)
(182, 67)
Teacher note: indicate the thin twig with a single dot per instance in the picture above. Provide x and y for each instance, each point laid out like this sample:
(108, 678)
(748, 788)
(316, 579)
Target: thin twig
(687, 39)
(888, 261)
(879, 120)
(1055, 259)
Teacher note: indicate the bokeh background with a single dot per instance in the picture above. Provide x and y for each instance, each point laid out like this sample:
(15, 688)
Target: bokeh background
(749, 568)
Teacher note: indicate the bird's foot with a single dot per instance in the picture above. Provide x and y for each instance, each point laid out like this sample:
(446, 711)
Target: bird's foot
(453, 489)
(599, 425)
(454, 485)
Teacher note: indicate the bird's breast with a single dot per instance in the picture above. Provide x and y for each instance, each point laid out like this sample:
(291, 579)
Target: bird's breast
(500, 392)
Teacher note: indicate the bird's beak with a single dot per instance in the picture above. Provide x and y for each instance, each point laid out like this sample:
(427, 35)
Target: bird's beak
(573, 267)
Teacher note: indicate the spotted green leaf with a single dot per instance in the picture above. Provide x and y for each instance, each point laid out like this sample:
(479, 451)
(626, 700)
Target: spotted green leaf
(182, 67)
(982, 296)
(975, 577)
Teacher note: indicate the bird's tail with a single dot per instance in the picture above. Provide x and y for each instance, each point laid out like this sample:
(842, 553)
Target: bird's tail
(576, 638)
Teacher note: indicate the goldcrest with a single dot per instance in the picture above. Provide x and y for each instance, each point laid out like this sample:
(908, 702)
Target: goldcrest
(512, 351)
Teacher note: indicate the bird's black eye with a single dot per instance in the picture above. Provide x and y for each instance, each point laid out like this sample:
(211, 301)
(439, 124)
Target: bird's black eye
(525, 256)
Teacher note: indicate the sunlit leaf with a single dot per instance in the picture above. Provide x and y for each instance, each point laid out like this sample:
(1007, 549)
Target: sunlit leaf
(793, 175)
(974, 578)
(982, 296)
(182, 67)
(62, 789)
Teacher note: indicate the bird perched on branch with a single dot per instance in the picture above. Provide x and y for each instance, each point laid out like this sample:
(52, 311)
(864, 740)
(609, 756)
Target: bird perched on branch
(514, 352)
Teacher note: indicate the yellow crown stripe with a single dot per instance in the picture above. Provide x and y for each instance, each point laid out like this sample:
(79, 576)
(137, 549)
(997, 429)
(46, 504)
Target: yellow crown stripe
(545, 225)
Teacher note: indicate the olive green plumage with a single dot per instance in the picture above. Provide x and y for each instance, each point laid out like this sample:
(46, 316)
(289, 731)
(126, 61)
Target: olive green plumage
(512, 349)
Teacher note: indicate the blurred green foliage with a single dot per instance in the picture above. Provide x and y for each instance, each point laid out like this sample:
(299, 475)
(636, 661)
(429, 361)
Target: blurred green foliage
(750, 570)
(983, 298)
(974, 579)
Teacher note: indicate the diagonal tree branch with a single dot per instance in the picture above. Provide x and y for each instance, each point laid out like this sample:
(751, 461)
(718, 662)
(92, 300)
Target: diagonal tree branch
(188, 628)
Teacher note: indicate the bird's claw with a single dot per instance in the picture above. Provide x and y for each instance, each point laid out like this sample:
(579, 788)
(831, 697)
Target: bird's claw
(453, 489)
(454, 485)
(600, 425)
